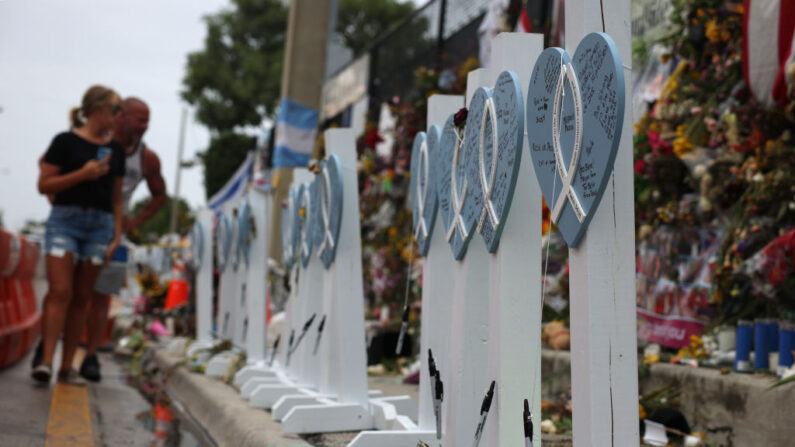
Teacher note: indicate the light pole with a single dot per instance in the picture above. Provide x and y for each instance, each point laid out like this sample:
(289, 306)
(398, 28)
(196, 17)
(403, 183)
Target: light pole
(172, 228)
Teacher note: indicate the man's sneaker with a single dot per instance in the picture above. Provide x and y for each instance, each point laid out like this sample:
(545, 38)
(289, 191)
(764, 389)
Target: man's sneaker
(37, 355)
(71, 377)
(90, 368)
(42, 373)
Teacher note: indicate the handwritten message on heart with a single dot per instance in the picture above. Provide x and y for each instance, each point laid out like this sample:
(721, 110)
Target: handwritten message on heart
(289, 235)
(575, 110)
(197, 244)
(326, 199)
(244, 231)
(494, 137)
(422, 188)
(304, 222)
(458, 210)
(223, 242)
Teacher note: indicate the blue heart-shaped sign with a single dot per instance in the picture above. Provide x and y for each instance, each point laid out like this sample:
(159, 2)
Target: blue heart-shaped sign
(495, 155)
(574, 147)
(244, 231)
(327, 209)
(234, 242)
(223, 241)
(459, 212)
(304, 223)
(289, 237)
(423, 188)
(197, 244)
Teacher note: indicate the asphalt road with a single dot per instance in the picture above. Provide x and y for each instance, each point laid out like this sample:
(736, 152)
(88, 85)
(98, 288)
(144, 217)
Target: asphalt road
(105, 413)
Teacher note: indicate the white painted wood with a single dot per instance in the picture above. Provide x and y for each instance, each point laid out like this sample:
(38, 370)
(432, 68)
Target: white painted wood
(603, 319)
(327, 416)
(436, 322)
(257, 276)
(342, 353)
(437, 304)
(468, 378)
(249, 386)
(286, 403)
(257, 288)
(204, 282)
(514, 353)
(347, 358)
(227, 288)
(240, 293)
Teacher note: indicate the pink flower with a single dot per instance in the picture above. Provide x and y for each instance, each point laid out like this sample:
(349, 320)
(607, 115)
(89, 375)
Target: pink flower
(711, 123)
(696, 110)
(640, 166)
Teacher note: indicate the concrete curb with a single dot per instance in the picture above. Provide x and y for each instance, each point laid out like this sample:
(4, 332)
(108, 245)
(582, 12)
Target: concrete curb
(227, 418)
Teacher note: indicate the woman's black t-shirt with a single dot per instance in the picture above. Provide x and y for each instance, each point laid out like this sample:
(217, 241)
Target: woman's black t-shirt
(70, 152)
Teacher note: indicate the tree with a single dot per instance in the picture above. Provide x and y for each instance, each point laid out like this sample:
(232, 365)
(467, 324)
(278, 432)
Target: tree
(236, 78)
(360, 22)
(158, 225)
(234, 81)
(227, 150)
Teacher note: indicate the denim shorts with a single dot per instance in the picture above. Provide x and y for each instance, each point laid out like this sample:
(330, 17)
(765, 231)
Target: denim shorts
(84, 232)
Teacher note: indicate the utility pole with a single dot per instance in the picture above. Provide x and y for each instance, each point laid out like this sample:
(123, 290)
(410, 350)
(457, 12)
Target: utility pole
(302, 81)
(172, 228)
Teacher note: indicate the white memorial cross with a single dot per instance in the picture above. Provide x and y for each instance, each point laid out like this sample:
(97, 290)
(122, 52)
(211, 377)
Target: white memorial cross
(289, 370)
(257, 288)
(515, 301)
(436, 310)
(603, 312)
(203, 258)
(343, 361)
(226, 234)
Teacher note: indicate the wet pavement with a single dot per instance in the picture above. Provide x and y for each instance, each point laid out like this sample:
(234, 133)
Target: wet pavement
(101, 414)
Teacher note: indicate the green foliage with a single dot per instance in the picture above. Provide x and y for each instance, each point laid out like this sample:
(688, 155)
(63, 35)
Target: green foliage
(237, 76)
(158, 225)
(227, 150)
(360, 22)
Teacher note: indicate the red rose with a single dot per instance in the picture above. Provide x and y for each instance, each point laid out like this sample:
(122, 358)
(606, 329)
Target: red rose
(460, 117)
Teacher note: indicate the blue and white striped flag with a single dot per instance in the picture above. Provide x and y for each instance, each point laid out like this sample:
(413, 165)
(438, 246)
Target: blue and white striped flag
(296, 127)
(235, 187)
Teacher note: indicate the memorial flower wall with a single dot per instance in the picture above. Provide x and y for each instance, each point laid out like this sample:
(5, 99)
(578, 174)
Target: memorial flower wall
(387, 242)
(714, 183)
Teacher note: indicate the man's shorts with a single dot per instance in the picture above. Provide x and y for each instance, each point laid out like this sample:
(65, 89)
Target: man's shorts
(84, 232)
(111, 278)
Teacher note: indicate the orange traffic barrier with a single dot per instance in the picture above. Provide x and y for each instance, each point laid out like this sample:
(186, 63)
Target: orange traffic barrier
(163, 421)
(20, 319)
(178, 287)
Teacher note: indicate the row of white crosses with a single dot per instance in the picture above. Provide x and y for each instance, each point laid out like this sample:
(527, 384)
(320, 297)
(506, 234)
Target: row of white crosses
(241, 251)
(317, 382)
(574, 135)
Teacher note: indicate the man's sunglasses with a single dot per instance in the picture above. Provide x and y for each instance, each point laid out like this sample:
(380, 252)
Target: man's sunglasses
(116, 109)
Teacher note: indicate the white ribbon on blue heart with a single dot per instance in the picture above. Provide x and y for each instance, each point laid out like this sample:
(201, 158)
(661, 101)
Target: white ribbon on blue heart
(488, 184)
(457, 203)
(422, 191)
(325, 206)
(305, 250)
(288, 230)
(567, 175)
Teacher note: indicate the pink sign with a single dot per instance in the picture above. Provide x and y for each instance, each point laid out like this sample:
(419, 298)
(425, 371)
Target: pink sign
(671, 331)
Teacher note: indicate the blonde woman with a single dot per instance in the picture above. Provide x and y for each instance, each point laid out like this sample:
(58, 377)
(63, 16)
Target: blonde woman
(83, 169)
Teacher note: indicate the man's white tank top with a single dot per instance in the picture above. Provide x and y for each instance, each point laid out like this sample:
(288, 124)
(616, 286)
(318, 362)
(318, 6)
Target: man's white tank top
(133, 174)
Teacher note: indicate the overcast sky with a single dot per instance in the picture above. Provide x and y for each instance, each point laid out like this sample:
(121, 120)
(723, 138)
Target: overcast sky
(51, 51)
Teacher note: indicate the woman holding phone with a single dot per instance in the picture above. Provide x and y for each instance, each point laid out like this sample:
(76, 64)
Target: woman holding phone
(83, 169)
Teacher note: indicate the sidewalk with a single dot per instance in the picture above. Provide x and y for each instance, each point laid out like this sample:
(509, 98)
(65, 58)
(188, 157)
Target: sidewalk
(103, 413)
